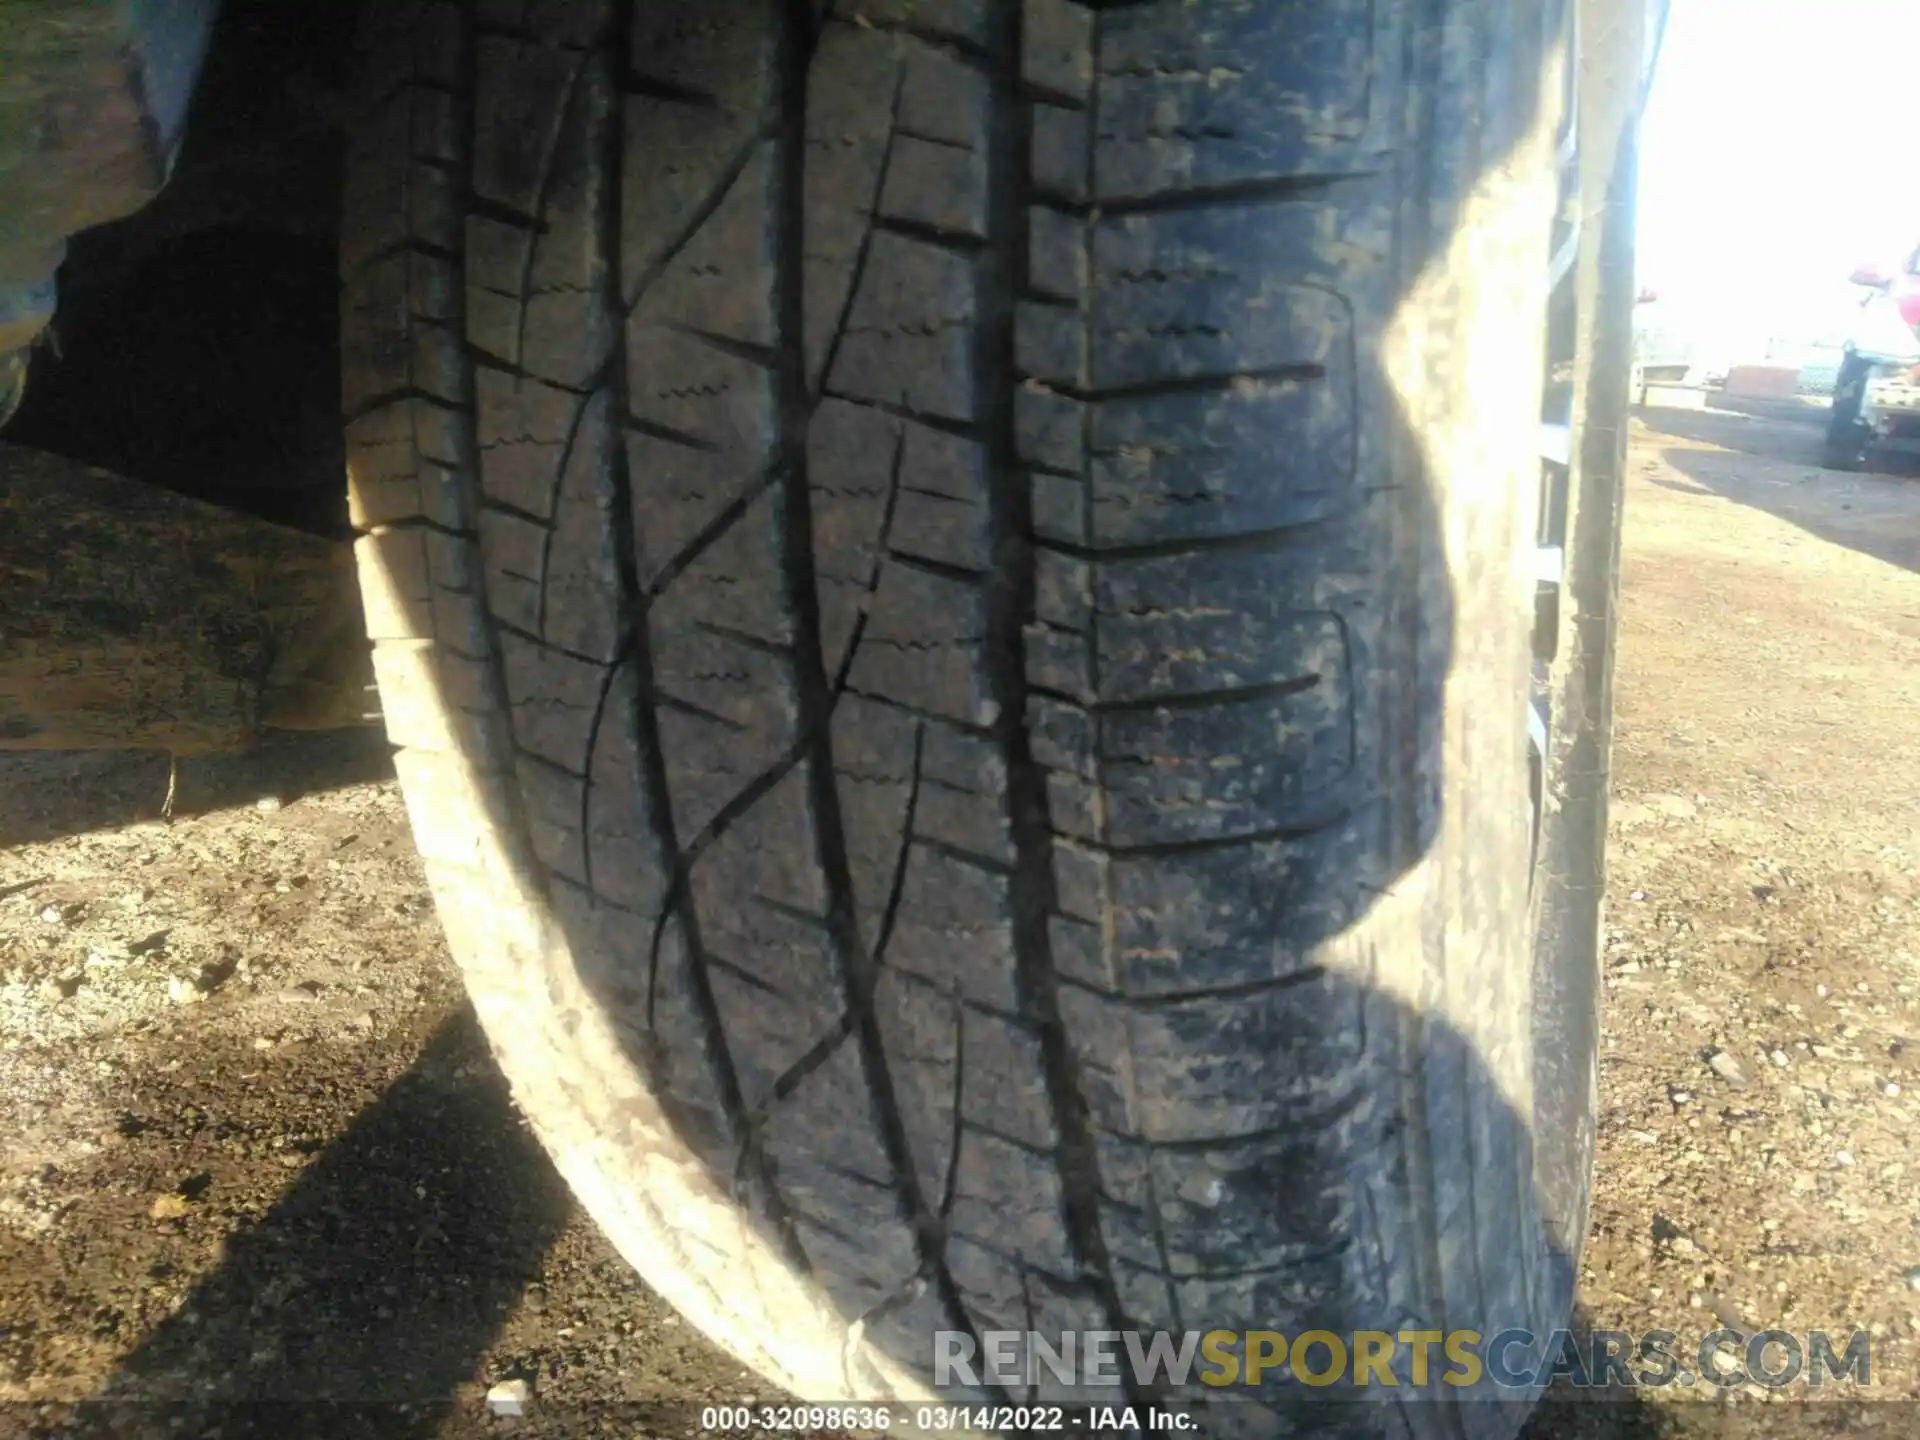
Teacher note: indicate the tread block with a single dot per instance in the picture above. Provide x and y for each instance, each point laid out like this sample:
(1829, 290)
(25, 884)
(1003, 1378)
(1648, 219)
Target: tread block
(1274, 1057)
(855, 83)
(733, 582)
(539, 280)
(767, 1031)
(693, 388)
(1004, 1088)
(1056, 51)
(918, 1023)
(736, 686)
(582, 596)
(856, 1254)
(1203, 648)
(679, 493)
(761, 882)
(562, 22)
(399, 152)
(524, 92)
(1263, 455)
(955, 929)
(392, 344)
(1010, 1198)
(709, 765)
(423, 45)
(1195, 1196)
(629, 864)
(523, 427)
(956, 19)
(1165, 306)
(650, 998)
(855, 459)
(963, 787)
(922, 644)
(1184, 775)
(720, 282)
(830, 1113)
(938, 186)
(555, 804)
(943, 510)
(1240, 915)
(1050, 429)
(554, 699)
(721, 48)
(1060, 152)
(945, 100)
(1217, 92)
(516, 559)
(696, 153)
(908, 339)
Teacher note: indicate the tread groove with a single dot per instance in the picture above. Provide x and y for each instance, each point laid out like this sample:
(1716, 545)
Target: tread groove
(897, 886)
(1011, 607)
(1280, 188)
(642, 723)
(1177, 700)
(728, 517)
(855, 970)
(1214, 383)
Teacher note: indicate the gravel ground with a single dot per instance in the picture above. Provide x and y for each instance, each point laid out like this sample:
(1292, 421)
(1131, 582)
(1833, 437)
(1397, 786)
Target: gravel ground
(254, 1148)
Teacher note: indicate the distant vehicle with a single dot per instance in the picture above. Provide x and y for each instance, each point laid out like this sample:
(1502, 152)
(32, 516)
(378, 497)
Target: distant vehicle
(1661, 354)
(1876, 396)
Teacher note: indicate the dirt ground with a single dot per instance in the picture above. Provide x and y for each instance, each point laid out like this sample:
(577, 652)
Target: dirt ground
(253, 1148)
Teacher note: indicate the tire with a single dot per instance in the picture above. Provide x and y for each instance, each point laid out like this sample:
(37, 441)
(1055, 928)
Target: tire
(1848, 438)
(957, 634)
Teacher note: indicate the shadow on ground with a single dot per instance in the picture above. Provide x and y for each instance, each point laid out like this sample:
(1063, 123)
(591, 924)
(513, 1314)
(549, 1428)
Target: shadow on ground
(363, 1300)
(1875, 512)
(45, 795)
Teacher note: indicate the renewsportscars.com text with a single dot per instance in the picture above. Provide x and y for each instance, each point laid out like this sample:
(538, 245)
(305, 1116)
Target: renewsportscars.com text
(1417, 1359)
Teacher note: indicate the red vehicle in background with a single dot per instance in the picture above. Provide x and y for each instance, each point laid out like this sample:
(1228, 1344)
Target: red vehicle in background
(1876, 399)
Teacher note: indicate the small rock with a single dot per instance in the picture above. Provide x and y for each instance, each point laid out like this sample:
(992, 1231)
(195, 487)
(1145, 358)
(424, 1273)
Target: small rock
(267, 804)
(1821, 991)
(63, 986)
(1843, 1158)
(509, 1398)
(1727, 1068)
(52, 915)
(303, 991)
(363, 1021)
(1912, 1276)
(171, 1205)
(263, 1042)
(1679, 1095)
(1779, 1057)
(1638, 895)
(1890, 1089)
